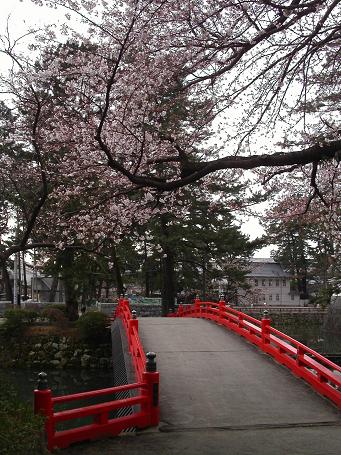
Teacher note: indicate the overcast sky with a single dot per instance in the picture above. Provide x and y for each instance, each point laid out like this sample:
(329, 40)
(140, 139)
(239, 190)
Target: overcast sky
(22, 15)
(19, 16)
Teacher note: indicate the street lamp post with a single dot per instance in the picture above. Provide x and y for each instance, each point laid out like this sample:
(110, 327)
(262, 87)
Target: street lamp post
(15, 280)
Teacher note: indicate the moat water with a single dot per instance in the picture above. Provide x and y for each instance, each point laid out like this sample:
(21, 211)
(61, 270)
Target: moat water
(317, 338)
(61, 382)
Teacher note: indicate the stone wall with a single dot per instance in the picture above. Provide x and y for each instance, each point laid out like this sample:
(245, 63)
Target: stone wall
(280, 318)
(333, 318)
(287, 318)
(53, 352)
(141, 310)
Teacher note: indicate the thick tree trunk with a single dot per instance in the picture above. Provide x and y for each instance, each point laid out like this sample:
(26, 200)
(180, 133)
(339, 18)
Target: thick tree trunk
(7, 283)
(203, 297)
(53, 290)
(303, 286)
(303, 279)
(67, 259)
(147, 282)
(92, 287)
(84, 296)
(99, 290)
(55, 280)
(118, 275)
(146, 272)
(19, 280)
(168, 290)
(168, 282)
(25, 290)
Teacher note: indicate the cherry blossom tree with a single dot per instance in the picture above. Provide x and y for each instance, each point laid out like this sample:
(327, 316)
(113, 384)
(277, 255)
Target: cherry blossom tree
(144, 98)
(251, 64)
(307, 229)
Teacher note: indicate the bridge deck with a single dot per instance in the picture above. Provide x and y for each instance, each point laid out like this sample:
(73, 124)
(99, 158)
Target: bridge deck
(220, 395)
(212, 378)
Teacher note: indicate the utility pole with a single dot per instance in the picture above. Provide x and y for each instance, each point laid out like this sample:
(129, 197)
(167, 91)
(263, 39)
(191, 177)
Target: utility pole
(16, 264)
(15, 280)
(34, 278)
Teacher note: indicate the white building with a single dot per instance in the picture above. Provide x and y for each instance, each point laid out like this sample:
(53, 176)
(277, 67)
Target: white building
(270, 284)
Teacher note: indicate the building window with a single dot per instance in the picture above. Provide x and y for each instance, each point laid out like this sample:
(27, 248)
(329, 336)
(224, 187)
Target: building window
(270, 297)
(277, 282)
(284, 282)
(292, 297)
(270, 282)
(277, 297)
(256, 282)
(255, 299)
(263, 282)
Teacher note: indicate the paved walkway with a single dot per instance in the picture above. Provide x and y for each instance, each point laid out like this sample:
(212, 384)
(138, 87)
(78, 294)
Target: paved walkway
(211, 377)
(220, 395)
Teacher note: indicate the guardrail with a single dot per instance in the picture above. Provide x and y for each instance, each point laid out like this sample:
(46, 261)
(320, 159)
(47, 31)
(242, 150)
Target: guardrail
(145, 404)
(130, 324)
(322, 374)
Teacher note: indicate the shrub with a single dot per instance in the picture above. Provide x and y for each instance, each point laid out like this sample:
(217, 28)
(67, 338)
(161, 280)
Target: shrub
(30, 316)
(20, 430)
(57, 306)
(55, 316)
(16, 321)
(92, 327)
(33, 306)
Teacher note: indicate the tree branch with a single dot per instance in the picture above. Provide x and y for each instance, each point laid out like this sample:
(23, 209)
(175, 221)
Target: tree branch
(196, 171)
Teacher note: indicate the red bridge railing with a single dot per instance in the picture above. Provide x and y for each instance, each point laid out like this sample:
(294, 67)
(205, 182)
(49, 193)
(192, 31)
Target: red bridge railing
(130, 323)
(322, 374)
(145, 404)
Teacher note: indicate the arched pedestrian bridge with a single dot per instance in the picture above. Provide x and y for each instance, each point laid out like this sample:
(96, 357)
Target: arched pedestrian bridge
(211, 378)
(223, 382)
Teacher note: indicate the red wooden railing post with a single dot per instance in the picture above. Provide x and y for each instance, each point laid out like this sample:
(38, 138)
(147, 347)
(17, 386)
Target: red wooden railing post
(240, 320)
(102, 418)
(124, 303)
(265, 327)
(119, 309)
(300, 356)
(43, 405)
(133, 324)
(227, 306)
(197, 306)
(152, 378)
(222, 309)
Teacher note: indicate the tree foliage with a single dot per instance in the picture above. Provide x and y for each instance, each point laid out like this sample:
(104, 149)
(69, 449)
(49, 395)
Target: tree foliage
(15, 414)
(110, 122)
(309, 250)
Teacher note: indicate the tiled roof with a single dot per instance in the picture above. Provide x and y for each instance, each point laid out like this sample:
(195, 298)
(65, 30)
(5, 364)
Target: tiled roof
(267, 268)
(267, 260)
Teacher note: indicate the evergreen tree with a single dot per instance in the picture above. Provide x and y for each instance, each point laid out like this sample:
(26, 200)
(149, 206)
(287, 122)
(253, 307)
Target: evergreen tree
(199, 245)
(308, 253)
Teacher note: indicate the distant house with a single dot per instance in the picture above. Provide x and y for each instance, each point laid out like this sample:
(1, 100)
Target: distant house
(20, 282)
(39, 288)
(270, 284)
(46, 289)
